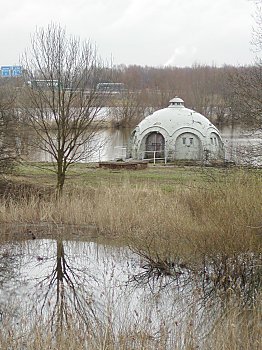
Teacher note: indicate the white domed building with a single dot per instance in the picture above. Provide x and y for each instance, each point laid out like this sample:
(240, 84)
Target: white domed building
(176, 133)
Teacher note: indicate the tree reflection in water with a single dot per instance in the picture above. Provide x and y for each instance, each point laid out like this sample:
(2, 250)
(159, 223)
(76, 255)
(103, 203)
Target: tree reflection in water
(215, 279)
(10, 264)
(66, 292)
(103, 290)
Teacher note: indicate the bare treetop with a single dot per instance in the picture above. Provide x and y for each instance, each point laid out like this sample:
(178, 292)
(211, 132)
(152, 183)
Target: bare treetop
(61, 102)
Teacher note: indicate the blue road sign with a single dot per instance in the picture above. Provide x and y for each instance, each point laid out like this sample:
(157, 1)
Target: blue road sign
(16, 71)
(11, 71)
(6, 71)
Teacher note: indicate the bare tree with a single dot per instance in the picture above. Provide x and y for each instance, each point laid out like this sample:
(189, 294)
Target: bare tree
(257, 31)
(245, 86)
(247, 95)
(246, 83)
(60, 102)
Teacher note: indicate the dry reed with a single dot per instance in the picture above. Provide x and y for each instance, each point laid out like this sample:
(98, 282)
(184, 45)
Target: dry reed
(235, 329)
(219, 221)
(223, 216)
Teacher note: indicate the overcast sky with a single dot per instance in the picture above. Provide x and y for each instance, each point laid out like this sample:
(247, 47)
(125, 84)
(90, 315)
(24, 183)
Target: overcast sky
(142, 32)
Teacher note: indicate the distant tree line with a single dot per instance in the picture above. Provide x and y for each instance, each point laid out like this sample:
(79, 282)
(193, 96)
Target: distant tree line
(223, 94)
(219, 93)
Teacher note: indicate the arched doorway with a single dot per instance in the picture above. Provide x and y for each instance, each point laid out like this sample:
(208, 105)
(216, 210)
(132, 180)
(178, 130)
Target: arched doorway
(188, 146)
(216, 147)
(155, 145)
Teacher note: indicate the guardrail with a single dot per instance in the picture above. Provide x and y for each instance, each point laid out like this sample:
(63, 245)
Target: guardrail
(154, 156)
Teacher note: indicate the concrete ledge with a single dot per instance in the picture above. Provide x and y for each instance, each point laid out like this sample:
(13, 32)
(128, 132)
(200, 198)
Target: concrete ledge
(124, 165)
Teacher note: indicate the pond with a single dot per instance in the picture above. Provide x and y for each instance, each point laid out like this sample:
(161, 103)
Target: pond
(96, 279)
(96, 283)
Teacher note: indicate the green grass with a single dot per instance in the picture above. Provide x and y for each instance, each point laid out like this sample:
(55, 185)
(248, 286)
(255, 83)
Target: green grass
(166, 177)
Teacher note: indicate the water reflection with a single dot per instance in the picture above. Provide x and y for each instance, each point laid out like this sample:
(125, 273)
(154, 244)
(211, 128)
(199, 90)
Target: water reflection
(57, 278)
(96, 284)
(64, 291)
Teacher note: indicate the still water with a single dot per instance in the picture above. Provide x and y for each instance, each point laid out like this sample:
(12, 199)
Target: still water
(55, 281)
(95, 282)
(241, 146)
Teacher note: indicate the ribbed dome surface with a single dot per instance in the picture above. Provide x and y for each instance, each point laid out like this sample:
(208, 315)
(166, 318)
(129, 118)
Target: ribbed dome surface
(171, 119)
(176, 132)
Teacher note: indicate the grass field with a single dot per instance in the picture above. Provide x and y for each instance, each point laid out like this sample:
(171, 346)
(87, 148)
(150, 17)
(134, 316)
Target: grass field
(90, 174)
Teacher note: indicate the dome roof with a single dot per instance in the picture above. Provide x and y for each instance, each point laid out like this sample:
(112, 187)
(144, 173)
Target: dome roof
(176, 133)
(174, 117)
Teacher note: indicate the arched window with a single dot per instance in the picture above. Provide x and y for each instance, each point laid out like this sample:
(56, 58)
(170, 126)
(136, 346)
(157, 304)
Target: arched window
(188, 146)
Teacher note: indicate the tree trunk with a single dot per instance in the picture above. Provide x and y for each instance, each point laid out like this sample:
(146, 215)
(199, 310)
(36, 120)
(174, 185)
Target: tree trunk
(60, 178)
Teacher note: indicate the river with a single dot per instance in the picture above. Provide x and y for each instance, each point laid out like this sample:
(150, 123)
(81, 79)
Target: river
(241, 146)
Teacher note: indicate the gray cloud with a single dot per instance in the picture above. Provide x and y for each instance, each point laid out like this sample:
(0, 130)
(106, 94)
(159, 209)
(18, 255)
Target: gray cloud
(146, 32)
